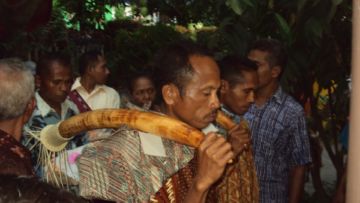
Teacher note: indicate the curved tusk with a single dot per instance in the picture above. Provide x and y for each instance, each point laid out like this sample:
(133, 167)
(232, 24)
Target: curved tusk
(55, 137)
(224, 120)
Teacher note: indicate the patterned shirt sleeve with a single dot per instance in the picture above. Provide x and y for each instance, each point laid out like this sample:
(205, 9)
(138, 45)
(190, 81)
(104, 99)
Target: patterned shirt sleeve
(299, 141)
(101, 174)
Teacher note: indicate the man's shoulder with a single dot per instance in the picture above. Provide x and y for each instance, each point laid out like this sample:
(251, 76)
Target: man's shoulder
(71, 106)
(76, 84)
(36, 120)
(110, 91)
(291, 104)
(9, 145)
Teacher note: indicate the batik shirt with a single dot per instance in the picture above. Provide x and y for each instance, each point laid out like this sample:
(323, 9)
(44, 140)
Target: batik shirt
(129, 166)
(15, 159)
(280, 141)
(42, 116)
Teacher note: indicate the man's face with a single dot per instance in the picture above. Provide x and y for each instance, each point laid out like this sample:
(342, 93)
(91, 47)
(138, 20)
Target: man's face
(240, 96)
(99, 72)
(264, 70)
(143, 91)
(55, 86)
(198, 103)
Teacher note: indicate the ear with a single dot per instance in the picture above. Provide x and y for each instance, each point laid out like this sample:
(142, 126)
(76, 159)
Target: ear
(88, 69)
(37, 81)
(224, 86)
(275, 71)
(170, 94)
(29, 110)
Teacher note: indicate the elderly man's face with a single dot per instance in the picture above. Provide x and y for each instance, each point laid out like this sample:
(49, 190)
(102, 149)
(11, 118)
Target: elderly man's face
(199, 102)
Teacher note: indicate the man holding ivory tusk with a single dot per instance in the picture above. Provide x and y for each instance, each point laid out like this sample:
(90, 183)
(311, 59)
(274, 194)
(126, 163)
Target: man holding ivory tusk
(134, 166)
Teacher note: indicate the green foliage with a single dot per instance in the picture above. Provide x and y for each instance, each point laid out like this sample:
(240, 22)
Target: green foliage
(131, 50)
(51, 37)
(87, 14)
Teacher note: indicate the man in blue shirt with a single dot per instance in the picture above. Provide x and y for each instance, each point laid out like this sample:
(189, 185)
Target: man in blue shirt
(53, 80)
(279, 133)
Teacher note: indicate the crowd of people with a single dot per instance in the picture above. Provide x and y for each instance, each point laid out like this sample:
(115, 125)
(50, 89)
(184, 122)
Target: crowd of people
(129, 165)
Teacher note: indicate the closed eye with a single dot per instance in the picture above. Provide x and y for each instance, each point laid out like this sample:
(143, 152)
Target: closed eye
(207, 93)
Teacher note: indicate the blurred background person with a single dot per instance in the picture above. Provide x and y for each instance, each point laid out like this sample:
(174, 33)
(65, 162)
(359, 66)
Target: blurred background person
(141, 93)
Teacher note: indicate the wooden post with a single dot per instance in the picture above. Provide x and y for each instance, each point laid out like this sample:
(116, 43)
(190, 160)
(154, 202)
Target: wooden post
(353, 170)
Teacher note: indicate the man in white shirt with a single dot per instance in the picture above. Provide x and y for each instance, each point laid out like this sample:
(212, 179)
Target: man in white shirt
(90, 86)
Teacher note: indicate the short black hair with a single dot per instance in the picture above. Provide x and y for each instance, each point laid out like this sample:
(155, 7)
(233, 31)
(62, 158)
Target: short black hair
(277, 54)
(133, 76)
(232, 68)
(88, 59)
(30, 189)
(172, 64)
(44, 64)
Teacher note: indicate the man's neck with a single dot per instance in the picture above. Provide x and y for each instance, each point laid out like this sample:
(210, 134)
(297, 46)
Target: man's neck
(87, 83)
(12, 127)
(265, 93)
(54, 105)
(228, 109)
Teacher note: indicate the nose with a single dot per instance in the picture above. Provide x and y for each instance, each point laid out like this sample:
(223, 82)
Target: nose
(251, 97)
(214, 102)
(64, 87)
(146, 95)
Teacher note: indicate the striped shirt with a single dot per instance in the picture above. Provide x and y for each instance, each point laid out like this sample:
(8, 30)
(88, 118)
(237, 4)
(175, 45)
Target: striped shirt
(280, 140)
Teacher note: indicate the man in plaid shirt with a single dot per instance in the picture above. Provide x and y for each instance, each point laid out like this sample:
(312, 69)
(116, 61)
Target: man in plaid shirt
(279, 133)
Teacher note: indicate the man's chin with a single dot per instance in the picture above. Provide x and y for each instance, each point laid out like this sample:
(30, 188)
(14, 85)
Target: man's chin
(202, 125)
(61, 100)
(242, 111)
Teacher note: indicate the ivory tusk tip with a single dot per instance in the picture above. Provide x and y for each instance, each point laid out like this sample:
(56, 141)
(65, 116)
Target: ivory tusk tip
(51, 139)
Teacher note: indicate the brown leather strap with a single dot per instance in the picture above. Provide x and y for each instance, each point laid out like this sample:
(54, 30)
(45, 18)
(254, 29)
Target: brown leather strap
(75, 97)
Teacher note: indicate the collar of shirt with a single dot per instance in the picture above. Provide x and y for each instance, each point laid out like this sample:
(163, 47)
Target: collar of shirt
(277, 98)
(126, 103)
(77, 86)
(45, 109)
(279, 95)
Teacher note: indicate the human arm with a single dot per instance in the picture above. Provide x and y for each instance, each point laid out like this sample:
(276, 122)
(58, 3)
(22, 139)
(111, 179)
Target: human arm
(300, 158)
(297, 177)
(339, 196)
(213, 154)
